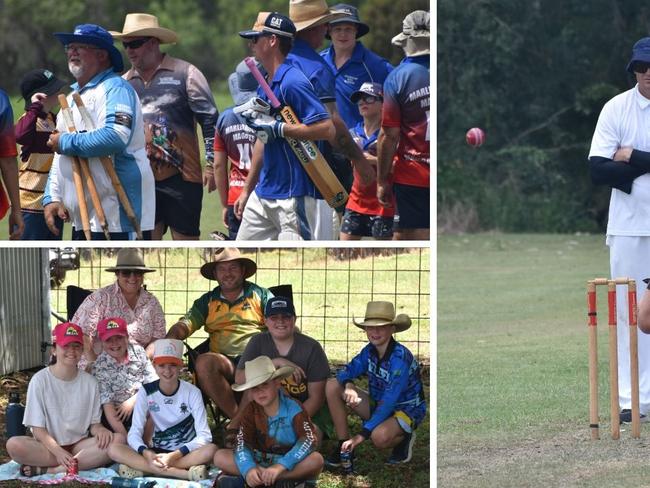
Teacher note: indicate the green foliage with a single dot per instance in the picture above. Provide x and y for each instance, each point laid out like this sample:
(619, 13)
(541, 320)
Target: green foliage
(207, 29)
(535, 83)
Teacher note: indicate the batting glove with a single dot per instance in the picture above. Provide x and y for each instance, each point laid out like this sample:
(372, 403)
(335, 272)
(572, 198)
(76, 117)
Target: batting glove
(252, 108)
(267, 128)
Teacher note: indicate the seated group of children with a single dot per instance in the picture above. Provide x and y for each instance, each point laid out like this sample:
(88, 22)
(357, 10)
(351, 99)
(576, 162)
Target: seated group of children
(152, 423)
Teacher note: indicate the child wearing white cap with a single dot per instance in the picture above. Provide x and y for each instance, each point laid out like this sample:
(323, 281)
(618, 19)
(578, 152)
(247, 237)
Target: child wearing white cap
(182, 441)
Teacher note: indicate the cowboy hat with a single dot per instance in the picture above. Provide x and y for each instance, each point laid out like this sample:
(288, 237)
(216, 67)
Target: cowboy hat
(225, 255)
(310, 13)
(130, 259)
(260, 370)
(383, 313)
(145, 25)
(95, 36)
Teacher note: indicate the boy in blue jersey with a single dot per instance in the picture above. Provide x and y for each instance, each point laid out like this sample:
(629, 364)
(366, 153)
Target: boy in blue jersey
(394, 405)
(182, 441)
(353, 63)
(276, 439)
(283, 204)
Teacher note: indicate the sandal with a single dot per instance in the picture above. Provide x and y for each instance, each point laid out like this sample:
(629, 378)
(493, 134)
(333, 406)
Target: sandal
(126, 471)
(198, 472)
(33, 470)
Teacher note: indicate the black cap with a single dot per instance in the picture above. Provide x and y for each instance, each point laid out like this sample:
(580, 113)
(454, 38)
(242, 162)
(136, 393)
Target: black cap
(39, 80)
(279, 305)
(270, 23)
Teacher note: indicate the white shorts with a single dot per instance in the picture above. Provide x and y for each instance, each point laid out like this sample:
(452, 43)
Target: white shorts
(288, 219)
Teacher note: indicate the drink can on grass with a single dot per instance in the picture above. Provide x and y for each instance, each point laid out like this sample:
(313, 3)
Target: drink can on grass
(346, 462)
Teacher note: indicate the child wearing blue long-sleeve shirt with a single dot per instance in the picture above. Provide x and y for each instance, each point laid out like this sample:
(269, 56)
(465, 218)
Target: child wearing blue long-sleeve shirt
(394, 405)
(276, 439)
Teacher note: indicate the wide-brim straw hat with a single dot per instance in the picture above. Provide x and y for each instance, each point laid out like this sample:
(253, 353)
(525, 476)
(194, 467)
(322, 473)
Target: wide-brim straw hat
(130, 259)
(145, 25)
(310, 13)
(259, 371)
(226, 255)
(383, 313)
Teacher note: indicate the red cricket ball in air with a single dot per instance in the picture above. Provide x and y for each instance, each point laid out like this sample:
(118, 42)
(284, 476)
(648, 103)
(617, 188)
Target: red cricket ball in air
(475, 136)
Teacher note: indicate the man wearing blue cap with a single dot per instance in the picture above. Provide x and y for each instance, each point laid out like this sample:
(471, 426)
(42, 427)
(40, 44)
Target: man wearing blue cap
(620, 158)
(353, 63)
(118, 132)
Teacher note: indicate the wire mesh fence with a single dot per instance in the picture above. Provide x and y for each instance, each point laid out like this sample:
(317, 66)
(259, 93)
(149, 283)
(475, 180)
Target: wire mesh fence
(330, 287)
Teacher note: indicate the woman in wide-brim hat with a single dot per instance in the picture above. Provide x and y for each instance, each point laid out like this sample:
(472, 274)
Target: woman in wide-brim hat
(127, 299)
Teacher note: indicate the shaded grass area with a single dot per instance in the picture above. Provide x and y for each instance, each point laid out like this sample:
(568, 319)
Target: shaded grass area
(512, 366)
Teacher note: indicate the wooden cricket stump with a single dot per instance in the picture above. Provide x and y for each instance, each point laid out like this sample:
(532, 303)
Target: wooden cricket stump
(592, 322)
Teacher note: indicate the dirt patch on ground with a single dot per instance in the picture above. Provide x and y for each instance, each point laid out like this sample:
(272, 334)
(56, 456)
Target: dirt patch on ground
(566, 459)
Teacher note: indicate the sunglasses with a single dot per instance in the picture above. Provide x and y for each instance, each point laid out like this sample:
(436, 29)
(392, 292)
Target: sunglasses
(640, 67)
(77, 47)
(129, 272)
(368, 99)
(135, 44)
(257, 38)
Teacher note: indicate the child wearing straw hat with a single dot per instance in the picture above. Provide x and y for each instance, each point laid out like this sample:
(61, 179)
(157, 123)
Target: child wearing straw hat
(276, 440)
(182, 441)
(395, 404)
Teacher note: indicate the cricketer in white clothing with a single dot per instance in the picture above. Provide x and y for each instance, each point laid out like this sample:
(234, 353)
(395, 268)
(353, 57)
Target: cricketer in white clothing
(620, 158)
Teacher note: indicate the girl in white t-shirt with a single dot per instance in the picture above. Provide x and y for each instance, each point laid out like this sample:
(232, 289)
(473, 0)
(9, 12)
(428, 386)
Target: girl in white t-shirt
(63, 412)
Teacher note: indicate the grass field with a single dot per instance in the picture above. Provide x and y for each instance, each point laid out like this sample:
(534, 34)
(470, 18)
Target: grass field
(512, 377)
(211, 210)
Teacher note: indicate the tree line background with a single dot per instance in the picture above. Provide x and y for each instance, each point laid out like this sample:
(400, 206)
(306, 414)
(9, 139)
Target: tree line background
(535, 76)
(207, 29)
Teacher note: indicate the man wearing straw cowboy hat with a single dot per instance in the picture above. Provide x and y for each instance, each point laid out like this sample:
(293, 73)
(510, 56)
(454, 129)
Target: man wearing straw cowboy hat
(394, 405)
(231, 313)
(175, 96)
(116, 112)
(403, 141)
(311, 18)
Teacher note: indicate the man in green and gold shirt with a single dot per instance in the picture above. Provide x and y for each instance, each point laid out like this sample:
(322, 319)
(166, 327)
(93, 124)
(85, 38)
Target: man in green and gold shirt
(232, 313)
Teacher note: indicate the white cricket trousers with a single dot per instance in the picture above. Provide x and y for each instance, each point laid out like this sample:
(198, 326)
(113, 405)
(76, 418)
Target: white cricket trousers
(288, 219)
(630, 257)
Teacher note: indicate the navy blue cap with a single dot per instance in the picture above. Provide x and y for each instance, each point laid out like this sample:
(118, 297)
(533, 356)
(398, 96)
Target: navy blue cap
(279, 305)
(368, 88)
(270, 23)
(96, 36)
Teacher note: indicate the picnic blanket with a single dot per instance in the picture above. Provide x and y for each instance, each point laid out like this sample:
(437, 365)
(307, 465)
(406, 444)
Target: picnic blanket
(11, 471)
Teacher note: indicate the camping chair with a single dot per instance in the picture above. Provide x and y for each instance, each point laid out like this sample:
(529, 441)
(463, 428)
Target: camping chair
(192, 353)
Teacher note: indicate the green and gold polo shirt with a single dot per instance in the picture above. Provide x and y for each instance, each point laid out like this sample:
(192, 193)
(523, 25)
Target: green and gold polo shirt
(230, 325)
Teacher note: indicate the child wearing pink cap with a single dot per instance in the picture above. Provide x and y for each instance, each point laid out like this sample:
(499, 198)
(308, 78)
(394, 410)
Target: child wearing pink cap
(63, 412)
(121, 369)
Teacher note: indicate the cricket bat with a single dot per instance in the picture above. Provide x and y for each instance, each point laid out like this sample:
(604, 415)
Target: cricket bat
(317, 168)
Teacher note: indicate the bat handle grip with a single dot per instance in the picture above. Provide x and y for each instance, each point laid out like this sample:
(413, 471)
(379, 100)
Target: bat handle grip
(252, 65)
